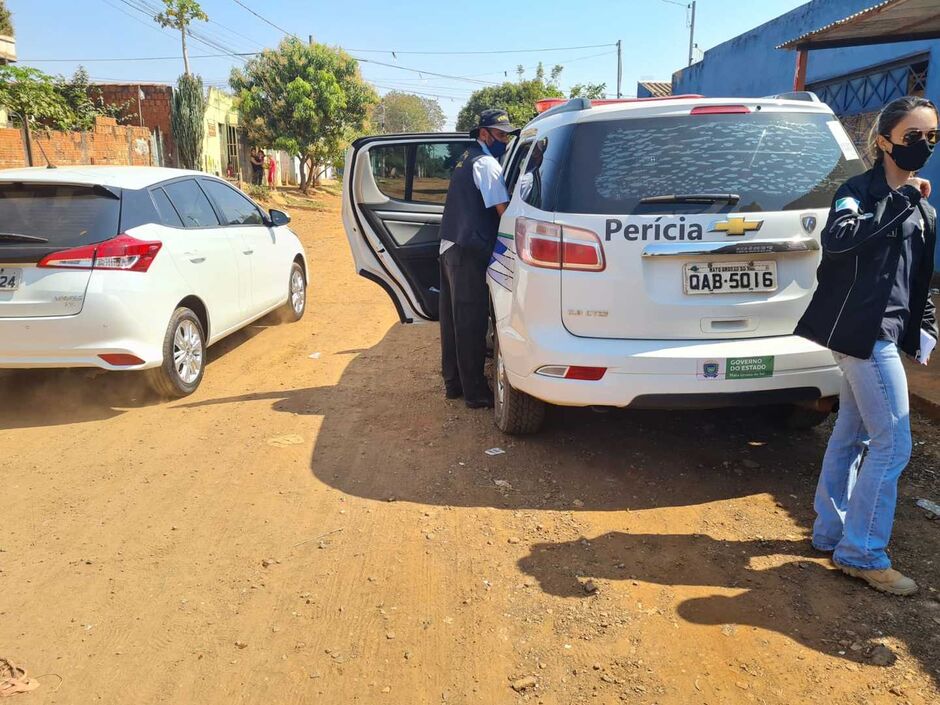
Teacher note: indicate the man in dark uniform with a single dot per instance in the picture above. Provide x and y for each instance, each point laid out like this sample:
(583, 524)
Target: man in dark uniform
(475, 201)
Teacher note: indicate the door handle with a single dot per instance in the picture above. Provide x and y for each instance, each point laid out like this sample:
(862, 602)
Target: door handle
(248, 252)
(194, 257)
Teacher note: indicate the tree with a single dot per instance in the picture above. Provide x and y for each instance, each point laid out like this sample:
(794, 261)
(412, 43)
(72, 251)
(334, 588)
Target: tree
(517, 99)
(6, 20)
(406, 112)
(588, 90)
(187, 119)
(178, 15)
(307, 99)
(54, 102)
(34, 97)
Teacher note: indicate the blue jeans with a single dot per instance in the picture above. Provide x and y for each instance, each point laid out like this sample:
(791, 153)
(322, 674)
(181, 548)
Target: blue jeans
(858, 490)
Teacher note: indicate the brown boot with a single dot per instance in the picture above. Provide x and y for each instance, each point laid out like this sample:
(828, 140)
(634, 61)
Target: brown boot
(888, 580)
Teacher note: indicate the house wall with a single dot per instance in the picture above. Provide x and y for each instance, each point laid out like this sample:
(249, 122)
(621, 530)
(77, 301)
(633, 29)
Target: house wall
(108, 143)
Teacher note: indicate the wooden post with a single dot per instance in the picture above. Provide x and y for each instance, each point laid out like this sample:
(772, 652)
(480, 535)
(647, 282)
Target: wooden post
(799, 78)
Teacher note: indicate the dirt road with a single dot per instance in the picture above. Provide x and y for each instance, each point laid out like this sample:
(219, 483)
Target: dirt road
(329, 530)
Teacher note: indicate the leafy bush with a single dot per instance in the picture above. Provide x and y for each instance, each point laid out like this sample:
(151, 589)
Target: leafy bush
(259, 193)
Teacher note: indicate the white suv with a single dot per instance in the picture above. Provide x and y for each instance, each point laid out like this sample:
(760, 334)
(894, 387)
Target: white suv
(655, 253)
(136, 268)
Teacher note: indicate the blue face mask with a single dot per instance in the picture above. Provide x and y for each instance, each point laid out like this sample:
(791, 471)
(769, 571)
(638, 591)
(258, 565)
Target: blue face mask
(497, 149)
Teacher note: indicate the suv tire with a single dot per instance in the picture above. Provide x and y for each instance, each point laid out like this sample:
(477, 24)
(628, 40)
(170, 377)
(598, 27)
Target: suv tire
(185, 339)
(515, 412)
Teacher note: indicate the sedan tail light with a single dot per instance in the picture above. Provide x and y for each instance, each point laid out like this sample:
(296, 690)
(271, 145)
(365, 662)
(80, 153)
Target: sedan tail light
(123, 253)
(553, 246)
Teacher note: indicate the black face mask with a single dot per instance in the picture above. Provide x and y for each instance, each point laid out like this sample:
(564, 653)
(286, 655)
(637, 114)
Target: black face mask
(911, 157)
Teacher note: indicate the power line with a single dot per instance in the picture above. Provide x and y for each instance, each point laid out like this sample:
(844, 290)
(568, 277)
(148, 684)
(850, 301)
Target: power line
(494, 51)
(203, 38)
(422, 71)
(142, 58)
(265, 19)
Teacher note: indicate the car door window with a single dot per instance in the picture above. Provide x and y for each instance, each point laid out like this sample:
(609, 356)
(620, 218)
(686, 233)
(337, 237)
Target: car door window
(235, 208)
(416, 173)
(165, 209)
(512, 173)
(192, 204)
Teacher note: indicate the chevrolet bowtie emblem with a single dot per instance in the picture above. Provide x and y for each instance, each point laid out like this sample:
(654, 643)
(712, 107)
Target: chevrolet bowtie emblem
(735, 226)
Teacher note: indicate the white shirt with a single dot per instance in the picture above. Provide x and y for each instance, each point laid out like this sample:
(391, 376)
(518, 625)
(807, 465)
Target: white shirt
(488, 177)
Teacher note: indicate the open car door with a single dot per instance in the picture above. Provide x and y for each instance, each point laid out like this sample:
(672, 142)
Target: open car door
(393, 199)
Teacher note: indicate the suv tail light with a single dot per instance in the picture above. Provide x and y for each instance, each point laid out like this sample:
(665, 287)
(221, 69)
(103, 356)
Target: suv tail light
(719, 110)
(123, 253)
(554, 246)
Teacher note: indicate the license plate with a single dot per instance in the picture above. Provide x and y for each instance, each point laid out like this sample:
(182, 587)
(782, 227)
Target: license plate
(10, 279)
(729, 277)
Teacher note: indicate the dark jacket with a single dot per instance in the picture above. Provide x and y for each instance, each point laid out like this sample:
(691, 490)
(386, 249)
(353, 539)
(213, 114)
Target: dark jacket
(861, 244)
(467, 221)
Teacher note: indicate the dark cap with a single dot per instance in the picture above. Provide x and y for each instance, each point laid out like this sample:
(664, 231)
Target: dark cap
(495, 119)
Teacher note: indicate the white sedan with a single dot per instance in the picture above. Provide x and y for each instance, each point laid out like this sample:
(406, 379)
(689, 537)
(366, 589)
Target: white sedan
(137, 268)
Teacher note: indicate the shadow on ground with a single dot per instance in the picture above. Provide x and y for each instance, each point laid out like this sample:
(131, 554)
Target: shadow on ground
(388, 433)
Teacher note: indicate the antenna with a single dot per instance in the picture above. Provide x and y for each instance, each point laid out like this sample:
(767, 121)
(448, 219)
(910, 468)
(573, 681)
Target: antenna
(49, 164)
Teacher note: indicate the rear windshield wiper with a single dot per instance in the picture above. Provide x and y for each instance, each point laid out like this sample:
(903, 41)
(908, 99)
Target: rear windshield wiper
(731, 198)
(17, 237)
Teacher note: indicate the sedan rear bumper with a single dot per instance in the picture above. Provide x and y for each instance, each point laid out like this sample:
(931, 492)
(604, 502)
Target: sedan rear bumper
(106, 325)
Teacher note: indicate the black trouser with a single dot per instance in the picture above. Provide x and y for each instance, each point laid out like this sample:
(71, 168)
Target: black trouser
(464, 315)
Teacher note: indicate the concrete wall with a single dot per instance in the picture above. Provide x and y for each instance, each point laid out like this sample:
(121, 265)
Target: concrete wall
(108, 143)
(749, 65)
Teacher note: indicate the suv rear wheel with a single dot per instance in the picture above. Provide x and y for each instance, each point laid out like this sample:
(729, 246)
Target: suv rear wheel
(184, 356)
(516, 413)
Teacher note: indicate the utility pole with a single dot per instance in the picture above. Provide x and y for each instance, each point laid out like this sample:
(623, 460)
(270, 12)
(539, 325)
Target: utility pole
(310, 39)
(692, 32)
(619, 66)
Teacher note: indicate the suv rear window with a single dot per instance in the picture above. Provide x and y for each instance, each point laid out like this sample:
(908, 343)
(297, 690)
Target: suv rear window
(67, 216)
(773, 161)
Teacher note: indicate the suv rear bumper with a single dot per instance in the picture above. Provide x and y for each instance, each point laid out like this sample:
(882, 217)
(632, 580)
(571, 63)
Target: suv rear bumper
(667, 373)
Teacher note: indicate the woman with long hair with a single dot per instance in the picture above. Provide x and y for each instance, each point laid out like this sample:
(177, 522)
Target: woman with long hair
(872, 303)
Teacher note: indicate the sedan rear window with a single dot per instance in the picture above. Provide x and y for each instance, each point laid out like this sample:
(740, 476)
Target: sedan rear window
(63, 215)
(773, 161)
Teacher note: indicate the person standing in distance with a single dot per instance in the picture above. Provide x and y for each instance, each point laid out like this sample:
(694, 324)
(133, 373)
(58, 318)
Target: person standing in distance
(476, 198)
(871, 304)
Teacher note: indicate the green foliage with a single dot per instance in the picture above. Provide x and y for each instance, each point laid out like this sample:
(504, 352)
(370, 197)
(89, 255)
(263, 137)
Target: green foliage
(6, 20)
(588, 90)
(55, 101)
(187, 120)
(179, 13)
(258, 193)
(34, 96)
(517, 99)
(406, 112)
(307, 99)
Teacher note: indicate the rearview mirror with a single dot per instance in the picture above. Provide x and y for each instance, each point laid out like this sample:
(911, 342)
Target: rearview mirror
(278, 218)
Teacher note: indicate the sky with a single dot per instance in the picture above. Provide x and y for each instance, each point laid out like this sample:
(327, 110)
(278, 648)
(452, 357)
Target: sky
(59, 35)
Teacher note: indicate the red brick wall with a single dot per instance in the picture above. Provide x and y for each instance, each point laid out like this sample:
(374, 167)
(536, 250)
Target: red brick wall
(108, 143)
(154, 110)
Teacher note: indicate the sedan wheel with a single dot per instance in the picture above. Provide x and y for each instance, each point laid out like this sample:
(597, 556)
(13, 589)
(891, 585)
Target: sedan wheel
(296, 294)
(184, 356)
